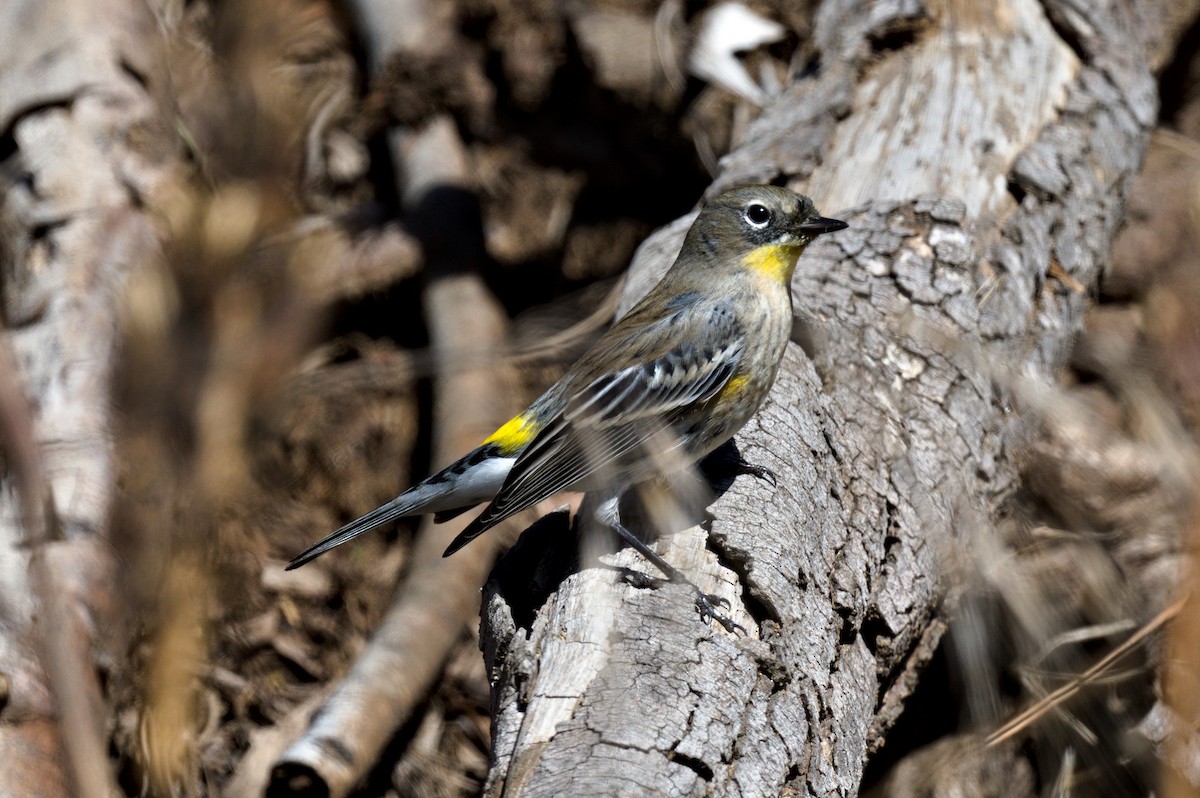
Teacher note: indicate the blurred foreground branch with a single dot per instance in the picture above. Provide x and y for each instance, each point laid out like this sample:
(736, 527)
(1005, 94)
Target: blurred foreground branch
(74, 185)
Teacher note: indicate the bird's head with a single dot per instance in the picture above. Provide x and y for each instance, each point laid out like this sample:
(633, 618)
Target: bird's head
(762, 228)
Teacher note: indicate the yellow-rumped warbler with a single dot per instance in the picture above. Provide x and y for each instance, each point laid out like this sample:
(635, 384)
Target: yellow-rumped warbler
(693, 360)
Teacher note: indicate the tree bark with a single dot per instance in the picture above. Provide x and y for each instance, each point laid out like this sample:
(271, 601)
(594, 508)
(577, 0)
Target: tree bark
(984, 151)
(84, 151)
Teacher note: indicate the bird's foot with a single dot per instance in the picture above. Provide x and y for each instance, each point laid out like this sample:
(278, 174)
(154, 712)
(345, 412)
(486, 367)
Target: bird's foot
(639, 580)
(727, 462)
(707, 604)
(756, 471)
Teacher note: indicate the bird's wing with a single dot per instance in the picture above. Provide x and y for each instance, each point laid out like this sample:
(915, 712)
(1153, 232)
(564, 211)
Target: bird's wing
(616, 413)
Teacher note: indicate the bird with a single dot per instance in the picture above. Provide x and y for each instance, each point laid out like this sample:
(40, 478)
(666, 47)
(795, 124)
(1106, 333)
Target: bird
(668, 383)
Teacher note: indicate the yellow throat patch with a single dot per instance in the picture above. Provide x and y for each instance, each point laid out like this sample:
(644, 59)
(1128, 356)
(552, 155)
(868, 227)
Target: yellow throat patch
(513, 436)
(773, 261)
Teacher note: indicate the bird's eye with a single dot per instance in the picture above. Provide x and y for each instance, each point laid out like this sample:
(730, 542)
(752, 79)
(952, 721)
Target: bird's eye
(757, 215)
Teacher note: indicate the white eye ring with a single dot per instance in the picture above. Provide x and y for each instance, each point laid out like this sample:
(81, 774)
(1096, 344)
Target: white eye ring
(757, 216)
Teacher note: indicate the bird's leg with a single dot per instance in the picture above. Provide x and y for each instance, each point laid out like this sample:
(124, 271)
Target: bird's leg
(706, 603)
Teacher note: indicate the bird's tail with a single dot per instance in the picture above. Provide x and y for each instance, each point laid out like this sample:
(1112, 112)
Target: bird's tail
(403, 505)
(471, 479)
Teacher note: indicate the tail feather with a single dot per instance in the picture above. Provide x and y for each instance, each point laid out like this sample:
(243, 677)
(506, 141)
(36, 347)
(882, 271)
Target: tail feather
(443, 516)
(474, 529)
(471, 479)
(397, 508)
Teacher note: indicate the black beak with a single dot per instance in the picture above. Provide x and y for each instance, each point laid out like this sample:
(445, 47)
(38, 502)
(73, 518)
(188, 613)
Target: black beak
(818, 225)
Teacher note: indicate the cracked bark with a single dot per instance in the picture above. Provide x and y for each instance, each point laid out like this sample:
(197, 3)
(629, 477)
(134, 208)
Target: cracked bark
(984, 151)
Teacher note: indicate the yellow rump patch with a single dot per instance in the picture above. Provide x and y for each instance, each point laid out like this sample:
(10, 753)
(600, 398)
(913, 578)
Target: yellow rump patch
(736, 385)
(515, 433)
(773, 261)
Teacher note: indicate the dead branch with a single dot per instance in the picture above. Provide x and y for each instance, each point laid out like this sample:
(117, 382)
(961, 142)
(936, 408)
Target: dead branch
(1054, 699)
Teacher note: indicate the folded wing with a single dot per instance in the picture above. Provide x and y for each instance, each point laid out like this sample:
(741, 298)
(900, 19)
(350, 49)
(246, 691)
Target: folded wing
(608, 423)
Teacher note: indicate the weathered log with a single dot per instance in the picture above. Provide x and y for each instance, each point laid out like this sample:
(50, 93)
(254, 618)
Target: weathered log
(984, 150)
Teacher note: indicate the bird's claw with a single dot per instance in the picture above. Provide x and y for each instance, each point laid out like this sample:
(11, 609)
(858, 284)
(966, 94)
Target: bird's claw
(758, 472)
(728, 461)
(639, 580)
(707, 603)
